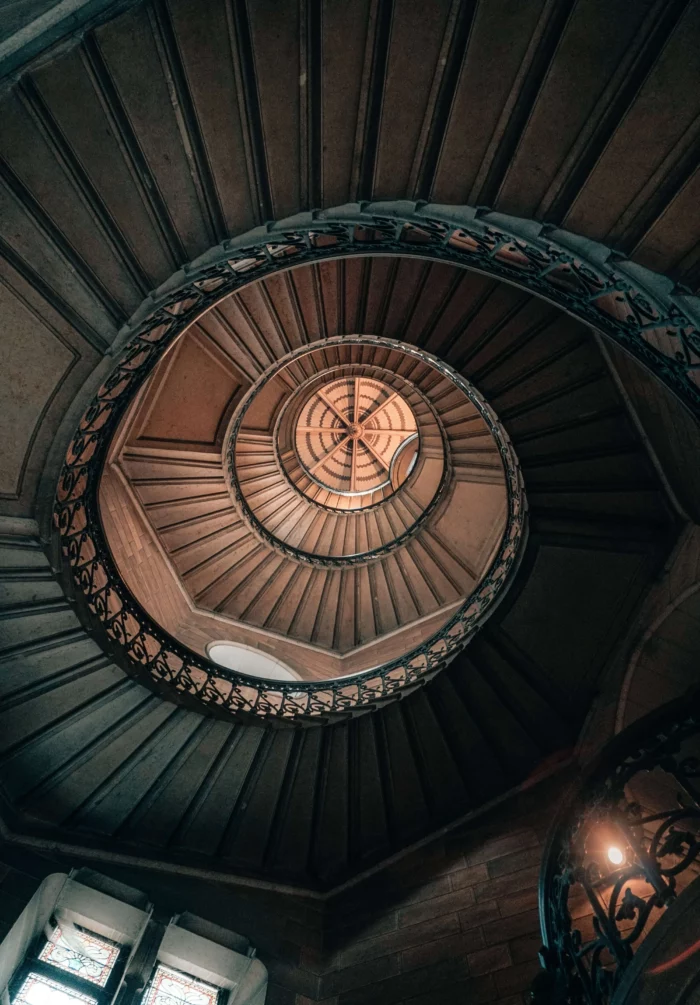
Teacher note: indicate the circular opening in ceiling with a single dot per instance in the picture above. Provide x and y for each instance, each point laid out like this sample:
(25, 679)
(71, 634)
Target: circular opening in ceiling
(349, 434)
(246, 660)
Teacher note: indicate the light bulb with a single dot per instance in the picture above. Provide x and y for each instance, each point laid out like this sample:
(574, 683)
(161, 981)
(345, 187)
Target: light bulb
(615, 855)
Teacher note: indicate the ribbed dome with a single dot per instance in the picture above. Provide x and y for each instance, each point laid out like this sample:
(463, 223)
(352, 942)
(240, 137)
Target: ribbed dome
(349, 435)
(245, 310)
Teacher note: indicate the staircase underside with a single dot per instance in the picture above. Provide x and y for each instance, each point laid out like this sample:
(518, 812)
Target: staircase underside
(169, 511)
(178, 125)
(93, 758)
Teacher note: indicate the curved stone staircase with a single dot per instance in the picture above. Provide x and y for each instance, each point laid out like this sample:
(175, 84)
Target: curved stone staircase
(93, 756)
(163, 132)
(285, 554)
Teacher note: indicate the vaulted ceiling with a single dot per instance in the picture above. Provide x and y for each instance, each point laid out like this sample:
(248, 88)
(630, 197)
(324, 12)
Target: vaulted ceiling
(95, 758)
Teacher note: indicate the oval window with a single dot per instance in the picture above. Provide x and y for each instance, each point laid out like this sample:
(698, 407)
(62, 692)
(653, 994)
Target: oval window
(247, 660)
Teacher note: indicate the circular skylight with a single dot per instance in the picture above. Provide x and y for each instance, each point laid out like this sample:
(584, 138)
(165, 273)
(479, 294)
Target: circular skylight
(244, 659)
(348, 433)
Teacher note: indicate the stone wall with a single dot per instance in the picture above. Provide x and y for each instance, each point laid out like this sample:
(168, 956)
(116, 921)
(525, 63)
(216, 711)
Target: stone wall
(455, 921)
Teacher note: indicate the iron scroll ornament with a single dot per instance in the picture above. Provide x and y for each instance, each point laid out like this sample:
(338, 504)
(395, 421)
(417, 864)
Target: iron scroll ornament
(513, 478)
(640, 310)
(660, 844)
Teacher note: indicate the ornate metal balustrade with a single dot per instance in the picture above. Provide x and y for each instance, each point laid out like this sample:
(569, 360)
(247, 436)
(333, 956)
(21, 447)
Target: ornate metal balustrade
(615, 855)
(513, 479)
(640, 310)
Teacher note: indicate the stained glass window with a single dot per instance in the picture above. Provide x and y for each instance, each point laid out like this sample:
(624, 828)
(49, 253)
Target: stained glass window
(81, 953)
(172, 987)
(36, 989)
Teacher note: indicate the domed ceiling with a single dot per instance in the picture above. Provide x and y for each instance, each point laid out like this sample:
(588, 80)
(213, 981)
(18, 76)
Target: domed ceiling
(350, 435)
(356, 588)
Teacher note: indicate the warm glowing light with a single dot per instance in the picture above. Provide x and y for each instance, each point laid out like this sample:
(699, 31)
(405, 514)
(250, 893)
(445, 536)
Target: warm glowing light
(615, 855)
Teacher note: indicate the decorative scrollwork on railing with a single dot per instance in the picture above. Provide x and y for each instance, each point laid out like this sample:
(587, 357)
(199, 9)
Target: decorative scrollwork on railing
(495, 428)
(616, 853)
(640, 310)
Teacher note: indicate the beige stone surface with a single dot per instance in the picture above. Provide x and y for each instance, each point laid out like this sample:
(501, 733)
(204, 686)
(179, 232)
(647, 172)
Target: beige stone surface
(34, 361)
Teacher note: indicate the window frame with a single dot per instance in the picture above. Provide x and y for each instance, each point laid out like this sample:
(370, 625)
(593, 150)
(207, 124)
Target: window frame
(187, 941)
(101, 994)
(222, 993)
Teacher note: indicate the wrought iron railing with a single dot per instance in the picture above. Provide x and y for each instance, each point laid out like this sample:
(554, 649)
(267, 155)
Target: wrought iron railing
(144, 649)
(616, 853)
(640, 310)
(512, 478)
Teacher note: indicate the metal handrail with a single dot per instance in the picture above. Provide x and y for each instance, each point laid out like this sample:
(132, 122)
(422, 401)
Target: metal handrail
(643, 312)
(656, 846)
(496, 429)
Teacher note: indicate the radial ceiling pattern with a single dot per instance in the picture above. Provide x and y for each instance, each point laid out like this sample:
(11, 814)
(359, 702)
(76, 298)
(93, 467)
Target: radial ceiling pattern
(349, 434)
(176, 125)
(173, 127)
(303, 559)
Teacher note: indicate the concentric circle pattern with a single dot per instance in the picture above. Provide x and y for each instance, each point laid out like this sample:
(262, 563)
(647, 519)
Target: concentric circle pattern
(371, 490)
(382, 586)
(374, 432)
(351, 433)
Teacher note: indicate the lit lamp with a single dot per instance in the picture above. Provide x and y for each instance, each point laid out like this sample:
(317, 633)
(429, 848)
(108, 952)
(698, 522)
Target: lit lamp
(616, 855)
(605, 850)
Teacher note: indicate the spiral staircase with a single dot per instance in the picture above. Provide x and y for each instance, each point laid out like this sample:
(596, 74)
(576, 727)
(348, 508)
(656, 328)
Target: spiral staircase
(335, 798)
(167, 130)
(322, 540)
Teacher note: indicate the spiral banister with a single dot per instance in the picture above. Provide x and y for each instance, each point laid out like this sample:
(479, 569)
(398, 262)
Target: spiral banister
(623, 845)
(640, 310)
